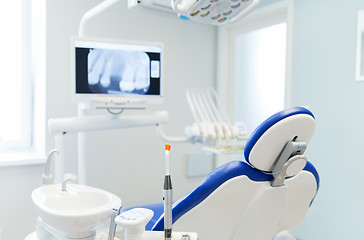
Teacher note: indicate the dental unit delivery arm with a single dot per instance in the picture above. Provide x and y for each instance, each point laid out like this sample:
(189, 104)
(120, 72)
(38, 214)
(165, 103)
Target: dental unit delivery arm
(61, 126)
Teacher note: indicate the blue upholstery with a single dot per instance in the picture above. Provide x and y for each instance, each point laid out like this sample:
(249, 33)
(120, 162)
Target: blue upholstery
(264, 126)
(211, 183)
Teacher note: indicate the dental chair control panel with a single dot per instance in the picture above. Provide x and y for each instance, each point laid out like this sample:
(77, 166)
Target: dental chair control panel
(134, 222)
(257, 199)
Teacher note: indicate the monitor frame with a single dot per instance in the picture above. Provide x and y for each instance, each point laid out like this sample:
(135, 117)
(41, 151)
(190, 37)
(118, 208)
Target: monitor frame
(105, 98)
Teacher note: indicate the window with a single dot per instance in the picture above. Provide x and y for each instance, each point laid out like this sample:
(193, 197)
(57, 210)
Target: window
(23, 33)
(15, 89)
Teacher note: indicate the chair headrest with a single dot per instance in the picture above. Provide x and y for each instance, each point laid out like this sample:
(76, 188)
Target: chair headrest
(269, 138)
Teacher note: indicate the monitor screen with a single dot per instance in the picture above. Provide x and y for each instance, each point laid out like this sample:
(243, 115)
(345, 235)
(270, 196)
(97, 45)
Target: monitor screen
(120, 72)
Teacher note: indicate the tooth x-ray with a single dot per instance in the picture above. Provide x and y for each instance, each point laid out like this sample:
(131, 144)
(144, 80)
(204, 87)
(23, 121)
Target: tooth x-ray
(117, 69)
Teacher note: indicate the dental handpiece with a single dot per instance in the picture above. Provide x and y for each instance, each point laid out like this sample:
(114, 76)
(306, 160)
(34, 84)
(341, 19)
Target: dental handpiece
(167, 197)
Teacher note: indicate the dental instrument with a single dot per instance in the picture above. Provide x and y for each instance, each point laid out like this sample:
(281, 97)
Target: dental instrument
(167, 197)
(212, 126)
(134, 220)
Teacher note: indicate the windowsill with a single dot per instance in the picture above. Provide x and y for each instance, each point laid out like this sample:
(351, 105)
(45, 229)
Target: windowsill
(21, 158)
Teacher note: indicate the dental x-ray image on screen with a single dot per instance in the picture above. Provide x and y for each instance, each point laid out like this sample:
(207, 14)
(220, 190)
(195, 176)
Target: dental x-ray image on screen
(117, 69)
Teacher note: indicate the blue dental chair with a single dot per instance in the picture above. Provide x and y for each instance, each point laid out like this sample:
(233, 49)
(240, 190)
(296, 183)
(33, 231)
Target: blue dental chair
(259, 198)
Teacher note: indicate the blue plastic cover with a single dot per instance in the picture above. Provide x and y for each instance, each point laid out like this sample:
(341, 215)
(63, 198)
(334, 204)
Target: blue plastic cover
(183, 17)
(264, 126)
(210, 184)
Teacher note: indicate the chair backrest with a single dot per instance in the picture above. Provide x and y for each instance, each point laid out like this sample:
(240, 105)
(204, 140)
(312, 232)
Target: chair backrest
(237, 200)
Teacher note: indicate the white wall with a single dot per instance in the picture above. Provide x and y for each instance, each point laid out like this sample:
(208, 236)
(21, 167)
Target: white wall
(324, 79)
(17, 215)
(129, 162)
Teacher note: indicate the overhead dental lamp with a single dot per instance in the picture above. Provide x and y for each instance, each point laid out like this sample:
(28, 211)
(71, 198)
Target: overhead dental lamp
(214, 12)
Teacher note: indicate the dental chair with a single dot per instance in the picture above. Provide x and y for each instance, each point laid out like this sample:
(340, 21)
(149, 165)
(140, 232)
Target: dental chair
(257, 199)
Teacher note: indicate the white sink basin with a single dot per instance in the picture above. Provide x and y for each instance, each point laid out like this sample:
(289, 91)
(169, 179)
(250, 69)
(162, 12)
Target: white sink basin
(79, 209)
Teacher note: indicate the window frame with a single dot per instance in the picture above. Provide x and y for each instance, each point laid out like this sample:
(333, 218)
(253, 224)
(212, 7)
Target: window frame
(31, 149)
